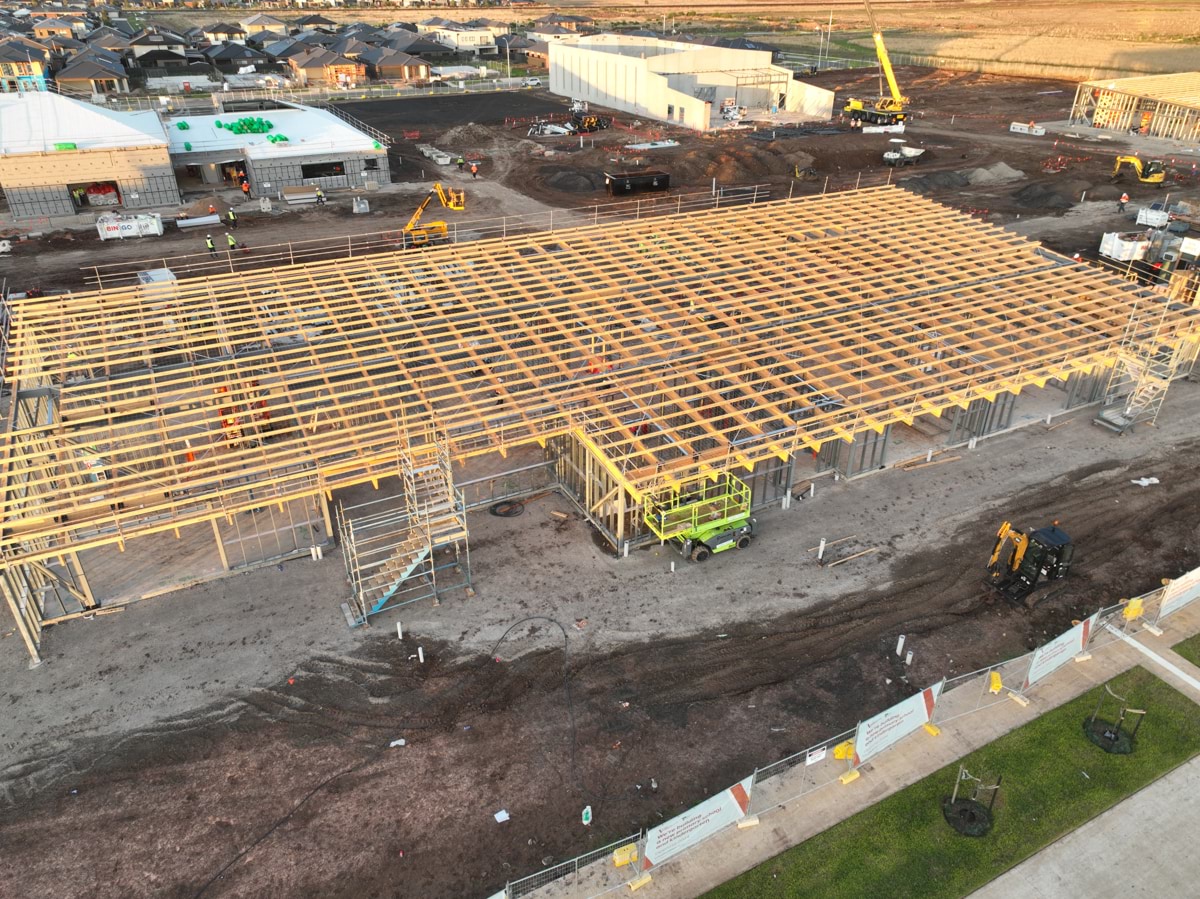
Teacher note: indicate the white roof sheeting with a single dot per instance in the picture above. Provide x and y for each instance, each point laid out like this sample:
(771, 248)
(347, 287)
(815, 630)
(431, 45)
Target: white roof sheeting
(34, 121)
(308, 131)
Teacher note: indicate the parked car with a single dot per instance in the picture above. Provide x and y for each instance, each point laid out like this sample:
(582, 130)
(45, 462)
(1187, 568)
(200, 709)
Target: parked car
(532, 82)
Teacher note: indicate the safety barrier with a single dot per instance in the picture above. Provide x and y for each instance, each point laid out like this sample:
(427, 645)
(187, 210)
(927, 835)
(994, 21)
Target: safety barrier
(838, 758)
(526, 885)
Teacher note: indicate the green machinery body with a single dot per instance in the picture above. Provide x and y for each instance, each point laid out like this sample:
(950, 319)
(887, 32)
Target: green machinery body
(704, 518)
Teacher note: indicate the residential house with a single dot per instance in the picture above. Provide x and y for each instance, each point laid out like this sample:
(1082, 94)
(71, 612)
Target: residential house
(497, 28)
(162, 59)
(538, 54)
(93, 71)
(223, 33)
(316, 23)
(320, 66)
(571, 23)
(22, 67)
(236, 58)
(282, 51)
(53, 28)
(147, 41)
(262, 22)
(261, 39)
(548, 33)
(63, 48)
(475, 41)
(411, 43)
(348, 47)
(392, 65)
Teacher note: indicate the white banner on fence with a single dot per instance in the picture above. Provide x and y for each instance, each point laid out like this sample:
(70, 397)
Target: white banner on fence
(1180, 592)
(892, 725)
(698, 823)
(1053, 655)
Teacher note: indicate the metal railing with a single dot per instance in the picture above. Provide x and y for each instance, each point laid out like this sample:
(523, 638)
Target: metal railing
(519, 483)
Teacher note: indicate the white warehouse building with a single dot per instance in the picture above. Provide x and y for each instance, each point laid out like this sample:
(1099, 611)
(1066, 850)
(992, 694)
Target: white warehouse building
(681, 83)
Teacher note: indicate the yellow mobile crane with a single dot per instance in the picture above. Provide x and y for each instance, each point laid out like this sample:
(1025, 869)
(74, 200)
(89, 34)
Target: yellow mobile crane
(889, 110)
(417, 234)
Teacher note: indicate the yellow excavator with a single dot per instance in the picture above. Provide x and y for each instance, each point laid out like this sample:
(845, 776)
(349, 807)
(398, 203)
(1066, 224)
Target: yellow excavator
(416, 234)
(1044, 554)
(886, 110)
(1152, 172)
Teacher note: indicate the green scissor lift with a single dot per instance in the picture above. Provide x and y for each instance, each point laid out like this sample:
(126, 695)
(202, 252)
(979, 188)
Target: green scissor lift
(702, 518)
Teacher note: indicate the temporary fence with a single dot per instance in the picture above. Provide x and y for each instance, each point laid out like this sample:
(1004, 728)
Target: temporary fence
(838, 759)
(571, 868)
(352, 245)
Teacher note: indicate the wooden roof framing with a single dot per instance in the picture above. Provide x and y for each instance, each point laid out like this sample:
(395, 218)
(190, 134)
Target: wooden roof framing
(1182, 89)
(675, 346)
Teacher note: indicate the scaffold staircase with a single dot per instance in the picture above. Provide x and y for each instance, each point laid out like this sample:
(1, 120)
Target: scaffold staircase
(404, 548)
(1148, 360)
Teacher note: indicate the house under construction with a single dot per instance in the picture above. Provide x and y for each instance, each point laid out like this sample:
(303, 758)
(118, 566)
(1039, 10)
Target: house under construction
(1164, 106)
(218, 421)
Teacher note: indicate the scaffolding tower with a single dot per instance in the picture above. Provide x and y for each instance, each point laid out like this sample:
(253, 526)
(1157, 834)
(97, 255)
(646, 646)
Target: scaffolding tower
(401, 549)
(1148, 359)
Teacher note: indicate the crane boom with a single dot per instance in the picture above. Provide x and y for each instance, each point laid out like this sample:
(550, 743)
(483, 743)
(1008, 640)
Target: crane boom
(889, 110)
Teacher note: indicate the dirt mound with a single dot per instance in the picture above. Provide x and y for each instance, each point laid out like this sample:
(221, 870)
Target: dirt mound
(570, 180)
(996, 173)
(938, 181)
(200, 207)
(468, 135)
(1041, 196)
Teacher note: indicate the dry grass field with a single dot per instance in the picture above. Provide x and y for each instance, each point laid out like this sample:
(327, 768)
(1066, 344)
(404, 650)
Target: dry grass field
(1035, 37)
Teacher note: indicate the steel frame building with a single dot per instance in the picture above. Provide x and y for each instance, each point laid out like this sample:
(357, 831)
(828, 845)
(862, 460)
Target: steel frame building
(642, 356)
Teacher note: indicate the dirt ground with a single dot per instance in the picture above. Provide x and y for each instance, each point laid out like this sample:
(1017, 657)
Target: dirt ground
(972, 162)
(233, 739)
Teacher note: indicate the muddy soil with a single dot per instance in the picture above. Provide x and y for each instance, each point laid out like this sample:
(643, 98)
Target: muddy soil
(293, 790)
(290, 788)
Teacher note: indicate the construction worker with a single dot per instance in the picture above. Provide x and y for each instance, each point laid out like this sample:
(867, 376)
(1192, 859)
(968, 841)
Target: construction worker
(461, 163)
(231, 216)
(212, 210)
(231, 240)
(474, 170)
(1121, 202)
(212, 247)
(320, 197)
(1078, 257)
(246, 189)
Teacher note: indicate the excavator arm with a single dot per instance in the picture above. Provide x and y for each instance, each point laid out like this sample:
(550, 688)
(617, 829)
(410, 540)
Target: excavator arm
(1020, 543)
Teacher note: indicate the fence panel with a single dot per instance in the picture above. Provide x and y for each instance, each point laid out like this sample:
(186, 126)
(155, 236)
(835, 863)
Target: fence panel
(567, 869)
(798, 774)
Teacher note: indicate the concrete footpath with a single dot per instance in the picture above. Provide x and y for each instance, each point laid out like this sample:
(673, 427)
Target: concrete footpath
(734, 851)
(1139, 847)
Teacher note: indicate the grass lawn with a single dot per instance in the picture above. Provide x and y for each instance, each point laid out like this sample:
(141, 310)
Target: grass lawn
(903, 847)
(1189, 649)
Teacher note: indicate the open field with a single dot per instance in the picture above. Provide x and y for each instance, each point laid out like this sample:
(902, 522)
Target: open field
(1078, 34)
(1054, 780)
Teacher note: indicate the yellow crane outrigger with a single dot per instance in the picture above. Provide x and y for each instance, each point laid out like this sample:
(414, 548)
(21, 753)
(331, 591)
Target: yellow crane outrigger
(886, 110)
(450, 198)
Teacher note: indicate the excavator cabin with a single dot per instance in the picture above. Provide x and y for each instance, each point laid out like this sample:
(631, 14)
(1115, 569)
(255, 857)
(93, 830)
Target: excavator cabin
(1041, 555)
